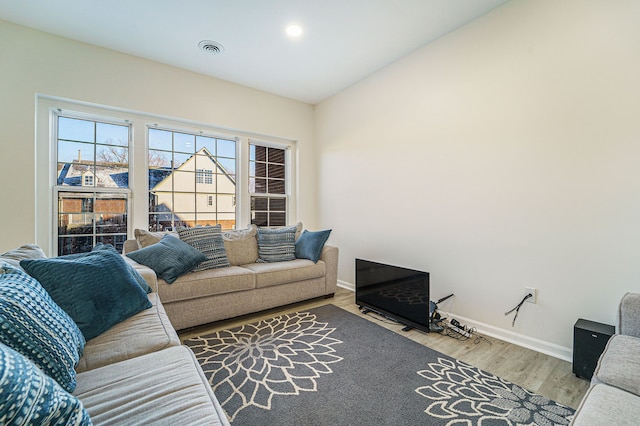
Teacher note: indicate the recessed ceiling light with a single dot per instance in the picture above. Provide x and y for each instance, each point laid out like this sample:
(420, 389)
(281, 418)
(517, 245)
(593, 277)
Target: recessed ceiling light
(211, 47)
(294, 30)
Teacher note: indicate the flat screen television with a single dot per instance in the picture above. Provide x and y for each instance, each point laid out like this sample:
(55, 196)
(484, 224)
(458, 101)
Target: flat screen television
(401, 294)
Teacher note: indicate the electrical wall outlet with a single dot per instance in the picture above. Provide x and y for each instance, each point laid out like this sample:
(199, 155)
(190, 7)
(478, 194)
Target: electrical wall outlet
(532, 292)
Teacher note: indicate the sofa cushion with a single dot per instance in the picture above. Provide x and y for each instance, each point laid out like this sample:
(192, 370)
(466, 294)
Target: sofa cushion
(607, 405)
(310, 244)
(276, 245)
(207, 283)
(619, 364)
(241, 245)
(161, 388)
(169, 258)
(208, 241)
(276, 273)
(145, 332)
(32, 324)
(30, 397)
(96, 290)
(147, 238)
(28, 251)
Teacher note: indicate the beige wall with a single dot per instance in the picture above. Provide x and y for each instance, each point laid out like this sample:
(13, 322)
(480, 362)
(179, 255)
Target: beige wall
(505, 155)
(32, 62)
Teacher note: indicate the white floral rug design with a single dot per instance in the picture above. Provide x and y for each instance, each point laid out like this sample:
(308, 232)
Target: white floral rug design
(466, 395)
(248, 366)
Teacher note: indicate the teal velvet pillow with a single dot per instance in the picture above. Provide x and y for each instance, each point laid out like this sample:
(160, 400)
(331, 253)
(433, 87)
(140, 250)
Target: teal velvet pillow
(169, 258)
(97, 290)
(136, 275)
(30, 397)
(310, 244)
(33, 325)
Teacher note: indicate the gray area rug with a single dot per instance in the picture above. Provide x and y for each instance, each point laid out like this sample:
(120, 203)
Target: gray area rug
(327, 366)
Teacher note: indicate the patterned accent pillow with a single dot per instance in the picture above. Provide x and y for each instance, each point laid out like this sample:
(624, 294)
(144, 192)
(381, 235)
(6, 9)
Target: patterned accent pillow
(32, 324)
(30, 397)
(97, 290)
(169, 258)
(276, 245)
(208, 241)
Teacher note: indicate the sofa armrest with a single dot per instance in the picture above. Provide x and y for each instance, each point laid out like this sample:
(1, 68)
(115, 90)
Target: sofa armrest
(329, 256)
(629, 315)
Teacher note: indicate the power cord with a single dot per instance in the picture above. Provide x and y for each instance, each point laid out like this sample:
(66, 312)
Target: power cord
(517, 309)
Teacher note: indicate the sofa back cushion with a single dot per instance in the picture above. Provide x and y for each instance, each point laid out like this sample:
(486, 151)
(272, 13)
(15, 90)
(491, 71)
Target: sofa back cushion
(241, 245)
(146, 238)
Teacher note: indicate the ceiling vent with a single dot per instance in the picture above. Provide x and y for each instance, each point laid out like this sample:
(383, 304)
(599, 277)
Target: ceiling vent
(211, 47)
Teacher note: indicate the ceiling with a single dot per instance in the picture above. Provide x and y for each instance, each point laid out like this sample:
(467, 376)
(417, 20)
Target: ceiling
(343, 41)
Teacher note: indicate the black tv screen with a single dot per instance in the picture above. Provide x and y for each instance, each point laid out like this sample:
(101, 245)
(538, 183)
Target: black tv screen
(399, 293)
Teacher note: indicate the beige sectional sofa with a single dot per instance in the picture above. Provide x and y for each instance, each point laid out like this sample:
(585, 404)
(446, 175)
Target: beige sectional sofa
(138, 373)
(614, 395)
(245, 287)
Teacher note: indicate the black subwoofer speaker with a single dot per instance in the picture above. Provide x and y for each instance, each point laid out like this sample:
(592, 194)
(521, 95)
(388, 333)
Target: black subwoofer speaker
(589, 340)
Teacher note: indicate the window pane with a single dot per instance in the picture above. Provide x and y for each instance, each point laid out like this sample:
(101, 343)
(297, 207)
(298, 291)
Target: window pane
(161, 202)
(259, 203)
(184, 143)
(277, 219)
(261, 169)
(184, 181)
(115, 240)
(276, 171)
(73, 129)
(226, 203)
(184, 202)
(276, 155)
(113, 155)
(260, 186)
(278, 204)
(74, 244)
(160, 222)
(276, 187)
(205, 203)
(226, 148)
(159, 159)
(206, 142)
(112, 134)
(260, 153)
(260, 218)
(69, 152)
(180, 159)
(228, 165)
(160, 139)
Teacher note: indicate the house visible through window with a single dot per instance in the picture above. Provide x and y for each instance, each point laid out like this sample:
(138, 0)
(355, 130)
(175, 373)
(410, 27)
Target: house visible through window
(92, 183)
(267, 185)
(183, 167)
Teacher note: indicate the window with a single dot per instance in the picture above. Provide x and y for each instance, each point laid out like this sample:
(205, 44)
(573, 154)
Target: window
(92, 185)
(267, 185)
(182, 168)
(204, 176)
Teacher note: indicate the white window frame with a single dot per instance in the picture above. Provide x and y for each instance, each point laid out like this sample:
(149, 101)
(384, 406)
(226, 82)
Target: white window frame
(45, 157)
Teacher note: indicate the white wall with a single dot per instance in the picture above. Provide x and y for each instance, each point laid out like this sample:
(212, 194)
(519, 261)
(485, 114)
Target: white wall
(505, 155)
(32, 62)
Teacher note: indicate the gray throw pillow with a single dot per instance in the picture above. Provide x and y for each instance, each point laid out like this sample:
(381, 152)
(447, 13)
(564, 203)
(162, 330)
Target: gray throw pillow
(208, 241)
(276, 245)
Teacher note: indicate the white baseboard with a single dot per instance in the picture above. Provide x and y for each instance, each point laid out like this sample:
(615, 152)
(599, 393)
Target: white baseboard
(532, 343)
(348, 286)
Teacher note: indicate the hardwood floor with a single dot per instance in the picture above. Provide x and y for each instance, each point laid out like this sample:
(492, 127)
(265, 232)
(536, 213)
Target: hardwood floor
(539, 373)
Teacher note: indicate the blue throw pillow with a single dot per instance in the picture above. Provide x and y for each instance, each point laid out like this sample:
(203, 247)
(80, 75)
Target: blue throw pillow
(32, 324)
(310, 244)
(29, 397)
(169, 257)
(208, 241)
(96, 290)
(276, 245)
(136, 275)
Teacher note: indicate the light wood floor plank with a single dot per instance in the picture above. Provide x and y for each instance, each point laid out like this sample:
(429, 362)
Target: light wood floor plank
(543, 374)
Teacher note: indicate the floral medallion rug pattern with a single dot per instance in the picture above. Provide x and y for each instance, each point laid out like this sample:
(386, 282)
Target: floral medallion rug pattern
(328, 366)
